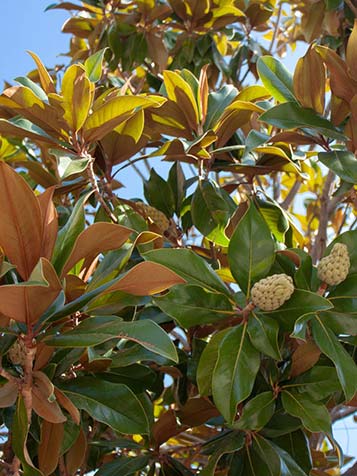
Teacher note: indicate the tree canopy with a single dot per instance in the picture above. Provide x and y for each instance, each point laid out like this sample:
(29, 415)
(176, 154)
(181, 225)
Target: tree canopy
(209, 328)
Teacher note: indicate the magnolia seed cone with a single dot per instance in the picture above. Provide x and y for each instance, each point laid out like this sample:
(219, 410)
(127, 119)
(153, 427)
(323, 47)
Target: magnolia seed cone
(17, 353)
(270, 293)
(156, 216)
(334, 268)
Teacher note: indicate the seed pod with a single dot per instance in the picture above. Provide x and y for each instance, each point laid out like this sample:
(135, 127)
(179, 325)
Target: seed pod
(334, 268)
(270, 293)
(17, 353)
(156, 216)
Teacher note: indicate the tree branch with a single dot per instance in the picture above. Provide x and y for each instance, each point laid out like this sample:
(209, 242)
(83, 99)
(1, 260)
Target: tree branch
(93, 181)
(291, 195)
(319, 245)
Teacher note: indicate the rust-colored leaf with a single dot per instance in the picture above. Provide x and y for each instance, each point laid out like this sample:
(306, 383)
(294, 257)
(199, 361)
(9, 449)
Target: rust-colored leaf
(45, 79)
(21, 222)
(75, 456)
(166, 427)
(146, 278)
(27, 302)
(95, 239)
(50, 446)
(304, 358)
(49, 222)
(43, 354)
(339, 110)
(66, 403)
(22, 100)
(341, 84)
(8, 394)
(309, 81)
(197, 411)
(74, 287)
(43, 399)
(351, 52)
(311, 24)
(203, 93)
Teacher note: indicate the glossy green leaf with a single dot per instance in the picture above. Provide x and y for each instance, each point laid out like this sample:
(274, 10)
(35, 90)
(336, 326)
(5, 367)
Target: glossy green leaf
(302, 303)
(159, 194)
(110, 403)
(68, 234)
(131, 354)
(342, 162)
(292, 116)
(123, 466)
(261, 458)
(257, 412)
(288, 464)
(68, 165)
(314, 416)
(303, 275)
(193, 306)
(19, 432)
(96, 330)
(276, 78)
(263, 333)
(251, 249)
(330, 346)
(230, 443)
(297, 447)
(211, 208)
(207, 363)
(217, 102)
(190, 266)
(235, 371)
(319, 382)
(94, 65)
(177, 183)
(35, 88)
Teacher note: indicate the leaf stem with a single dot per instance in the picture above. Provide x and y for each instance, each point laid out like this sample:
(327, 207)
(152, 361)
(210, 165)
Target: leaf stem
(94, 184)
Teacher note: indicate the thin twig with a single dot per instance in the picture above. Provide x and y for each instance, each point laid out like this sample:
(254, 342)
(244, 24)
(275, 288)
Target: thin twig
(319, 245)
(94, 183)
(276, 29)
(291, 195)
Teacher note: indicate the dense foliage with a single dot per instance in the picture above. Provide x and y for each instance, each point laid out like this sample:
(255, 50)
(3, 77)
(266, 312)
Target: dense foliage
(144, 337)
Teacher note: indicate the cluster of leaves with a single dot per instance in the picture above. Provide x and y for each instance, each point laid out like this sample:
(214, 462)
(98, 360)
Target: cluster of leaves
(129, 342)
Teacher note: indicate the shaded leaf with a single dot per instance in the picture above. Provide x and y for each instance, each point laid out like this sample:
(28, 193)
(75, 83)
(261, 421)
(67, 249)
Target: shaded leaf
(123, 466)
(235, 371)
(314, 416)
(251, 249)
(193, 306)
(110, 403)
(257, 412)
(50, 446)
(96, 330)
(330, 346)
(193, 268)
(292, 116)
(342, 162)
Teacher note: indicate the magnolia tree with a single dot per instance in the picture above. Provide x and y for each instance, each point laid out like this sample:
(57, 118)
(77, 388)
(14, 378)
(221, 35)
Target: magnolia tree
(209, 328)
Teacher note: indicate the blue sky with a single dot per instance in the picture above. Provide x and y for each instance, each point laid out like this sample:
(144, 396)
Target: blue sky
(25, 26)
